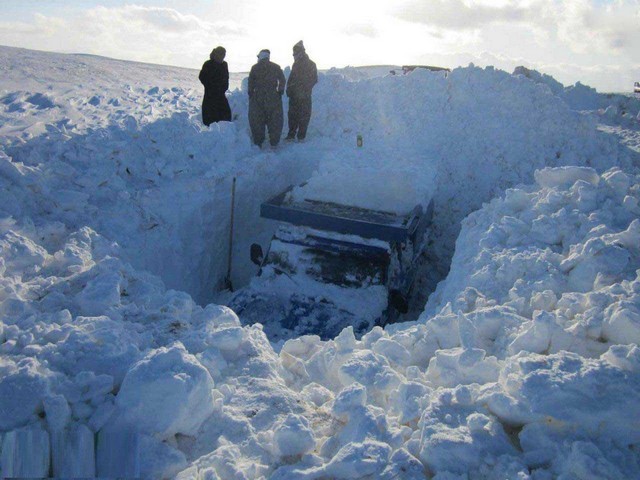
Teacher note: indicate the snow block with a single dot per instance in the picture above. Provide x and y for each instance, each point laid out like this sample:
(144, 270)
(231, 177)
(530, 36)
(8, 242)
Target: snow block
(26, 453)
(462, 366)
(57, 411)
(100, 294)
(565, 176)
(622, 324)
(21, 392)
(118, 452)
(159, 459)
(294, 436)
(73, 452)
(167, 392)
(457, 438)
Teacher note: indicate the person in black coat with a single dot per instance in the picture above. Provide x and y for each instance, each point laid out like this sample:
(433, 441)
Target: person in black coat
(215, 78)
(304, 75)
(265, 88)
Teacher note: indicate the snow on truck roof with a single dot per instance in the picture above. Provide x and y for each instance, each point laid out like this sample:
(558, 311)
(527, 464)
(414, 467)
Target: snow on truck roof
(392, 191)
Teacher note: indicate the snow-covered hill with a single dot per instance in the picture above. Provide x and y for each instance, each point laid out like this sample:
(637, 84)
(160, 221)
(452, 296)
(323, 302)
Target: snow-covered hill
(114, 215)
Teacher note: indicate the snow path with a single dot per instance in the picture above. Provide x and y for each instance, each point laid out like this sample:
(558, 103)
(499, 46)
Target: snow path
(524, 363)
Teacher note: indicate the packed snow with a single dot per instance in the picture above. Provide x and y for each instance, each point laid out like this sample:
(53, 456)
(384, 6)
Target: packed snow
(115, 360)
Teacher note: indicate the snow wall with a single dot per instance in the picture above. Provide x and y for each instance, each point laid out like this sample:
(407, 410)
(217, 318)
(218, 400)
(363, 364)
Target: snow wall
(525, 363)
(150, 177)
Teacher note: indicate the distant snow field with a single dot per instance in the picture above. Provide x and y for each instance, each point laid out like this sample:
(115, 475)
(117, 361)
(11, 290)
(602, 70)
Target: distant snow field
(116, 361)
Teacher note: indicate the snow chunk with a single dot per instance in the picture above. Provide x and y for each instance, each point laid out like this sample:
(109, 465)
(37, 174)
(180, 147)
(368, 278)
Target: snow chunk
(167, 392)
(73, 452)
(293, 436)
(159, 459)
(592, 397)
(565, 176)
(57, 412)
(457, 437)
(100, 294)
(22, 390)
(462, 366)
(622, 324)
(26, 453)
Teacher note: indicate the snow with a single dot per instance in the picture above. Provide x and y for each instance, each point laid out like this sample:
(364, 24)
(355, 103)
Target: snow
(114, 216)
(396, 191)
(174, 385)
(25, 453)
(293, 437)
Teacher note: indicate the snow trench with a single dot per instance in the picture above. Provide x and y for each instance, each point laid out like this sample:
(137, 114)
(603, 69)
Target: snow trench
(163, 192)
(161, 189)
(524, 363)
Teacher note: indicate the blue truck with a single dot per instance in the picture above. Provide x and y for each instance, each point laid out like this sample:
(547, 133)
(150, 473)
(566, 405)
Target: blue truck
(329, 266)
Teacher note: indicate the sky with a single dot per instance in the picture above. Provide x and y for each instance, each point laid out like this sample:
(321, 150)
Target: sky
(596, 42)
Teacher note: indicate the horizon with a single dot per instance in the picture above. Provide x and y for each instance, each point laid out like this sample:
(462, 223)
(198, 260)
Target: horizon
(589, 41)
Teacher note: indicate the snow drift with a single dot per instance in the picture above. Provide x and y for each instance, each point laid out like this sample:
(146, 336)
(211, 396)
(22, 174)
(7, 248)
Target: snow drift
(524, 364)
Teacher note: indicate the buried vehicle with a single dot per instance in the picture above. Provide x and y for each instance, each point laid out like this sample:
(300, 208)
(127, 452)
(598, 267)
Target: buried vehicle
(330, 266)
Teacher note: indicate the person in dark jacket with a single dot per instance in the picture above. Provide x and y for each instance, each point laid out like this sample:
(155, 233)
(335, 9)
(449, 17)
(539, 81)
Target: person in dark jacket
(266, 87)
(215, 78)
(304, 75)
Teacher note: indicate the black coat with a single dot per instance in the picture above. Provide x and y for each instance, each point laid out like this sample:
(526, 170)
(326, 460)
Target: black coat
(304, 75)
(215, 78)
(266, 82)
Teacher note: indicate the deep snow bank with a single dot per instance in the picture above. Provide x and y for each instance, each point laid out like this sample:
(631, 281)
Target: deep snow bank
(162, 191)
(154, 180)
(137, 166)
(524, 365)
(554, 267)
(611, 108)
(82, 346)
(471, 134)
(85, 338)
(487, 384)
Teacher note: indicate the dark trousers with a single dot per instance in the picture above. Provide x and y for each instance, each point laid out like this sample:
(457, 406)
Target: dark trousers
(266, 113)
(299, 116)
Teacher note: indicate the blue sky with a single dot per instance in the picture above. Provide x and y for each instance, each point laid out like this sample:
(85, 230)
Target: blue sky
(593, 41)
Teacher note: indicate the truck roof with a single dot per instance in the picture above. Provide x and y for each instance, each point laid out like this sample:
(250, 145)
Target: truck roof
(342, 219)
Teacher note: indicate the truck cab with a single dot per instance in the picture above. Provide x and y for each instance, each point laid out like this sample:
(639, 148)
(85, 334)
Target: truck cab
(329, 266)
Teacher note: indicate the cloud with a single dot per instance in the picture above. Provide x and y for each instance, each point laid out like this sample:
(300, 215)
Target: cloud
(142, 33)
(460, 15)
(595, 38)
(157, 18)
(578, 25)
(41, 26)
(363, 29)
(613, 27)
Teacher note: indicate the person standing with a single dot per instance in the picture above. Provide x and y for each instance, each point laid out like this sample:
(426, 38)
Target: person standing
(215, 78)
(266, 87)
(304, 75)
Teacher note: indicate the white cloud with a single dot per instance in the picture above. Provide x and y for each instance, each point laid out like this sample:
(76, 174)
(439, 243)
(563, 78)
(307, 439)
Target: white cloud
(577, 25)
(148, 34)
(595, 41)
(607, 27)
(364, 29)
(155, 18)
(461, 15)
